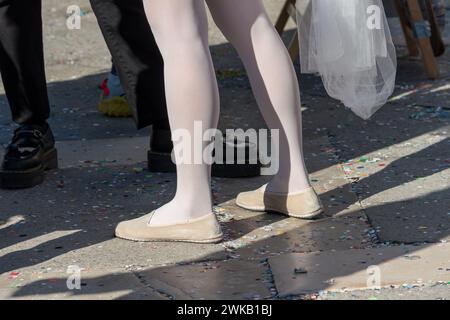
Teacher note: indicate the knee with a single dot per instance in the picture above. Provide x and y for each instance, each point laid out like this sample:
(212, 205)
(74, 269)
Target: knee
(177, 38)
(247, 33)
(262, 29)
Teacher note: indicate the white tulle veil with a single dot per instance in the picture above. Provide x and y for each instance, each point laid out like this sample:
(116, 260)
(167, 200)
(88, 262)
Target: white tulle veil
(349, 44)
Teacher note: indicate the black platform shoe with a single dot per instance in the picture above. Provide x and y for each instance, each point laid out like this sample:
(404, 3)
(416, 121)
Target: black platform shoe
(31, 152)
(159, 157)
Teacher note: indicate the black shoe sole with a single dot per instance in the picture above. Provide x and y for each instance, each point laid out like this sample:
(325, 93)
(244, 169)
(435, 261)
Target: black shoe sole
(162, 162)
(29, 178)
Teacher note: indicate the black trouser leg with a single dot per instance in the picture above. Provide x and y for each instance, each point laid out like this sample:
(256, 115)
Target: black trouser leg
(22, 60)
(136, 58)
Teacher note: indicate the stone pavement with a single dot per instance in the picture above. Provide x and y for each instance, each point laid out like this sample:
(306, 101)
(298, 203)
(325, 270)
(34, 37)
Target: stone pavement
(384, 182)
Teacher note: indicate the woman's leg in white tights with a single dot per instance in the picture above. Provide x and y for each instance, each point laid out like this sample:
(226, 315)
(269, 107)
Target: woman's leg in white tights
(181, 31)
(180, 28)
(273, 79)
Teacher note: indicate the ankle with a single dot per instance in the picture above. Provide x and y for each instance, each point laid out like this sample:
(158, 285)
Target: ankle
(288, 185)
(160, 219)
(176, 212)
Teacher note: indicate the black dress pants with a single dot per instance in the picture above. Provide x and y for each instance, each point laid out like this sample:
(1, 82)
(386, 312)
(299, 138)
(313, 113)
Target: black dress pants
(22, 60)
(128, 36)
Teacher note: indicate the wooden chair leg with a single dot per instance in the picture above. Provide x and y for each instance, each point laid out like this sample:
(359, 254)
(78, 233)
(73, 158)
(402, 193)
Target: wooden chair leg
(436, 36)
(424, 42)
(281, 24)
(283, 18)
(294, 47)
(409, 37)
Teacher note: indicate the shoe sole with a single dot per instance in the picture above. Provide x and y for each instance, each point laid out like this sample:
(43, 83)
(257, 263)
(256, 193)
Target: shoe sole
(162, 162)
(200, 241)
(307, 216)
(32, 177)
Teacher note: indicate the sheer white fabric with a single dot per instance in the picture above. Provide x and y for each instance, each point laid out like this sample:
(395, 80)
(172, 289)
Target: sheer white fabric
(349, 44)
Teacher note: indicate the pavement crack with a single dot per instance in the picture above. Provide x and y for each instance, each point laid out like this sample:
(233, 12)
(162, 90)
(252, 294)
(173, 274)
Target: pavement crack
(353, 183)
(147, 285)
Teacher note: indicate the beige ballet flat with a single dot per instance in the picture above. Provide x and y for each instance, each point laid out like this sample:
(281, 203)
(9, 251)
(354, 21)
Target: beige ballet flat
(201, 230)
(304, 205)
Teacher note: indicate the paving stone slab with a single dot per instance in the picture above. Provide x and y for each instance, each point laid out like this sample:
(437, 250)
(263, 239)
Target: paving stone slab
(296, 274)
(264, 236)
(415, 221)
(94, 285)
(407, 292)
(403, 188)
(408, 203)
(257, 236)
(429, 149)
(222, 280)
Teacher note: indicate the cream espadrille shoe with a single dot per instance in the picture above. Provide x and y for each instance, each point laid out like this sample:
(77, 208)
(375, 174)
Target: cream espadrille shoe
(304, 204)
(201, 230)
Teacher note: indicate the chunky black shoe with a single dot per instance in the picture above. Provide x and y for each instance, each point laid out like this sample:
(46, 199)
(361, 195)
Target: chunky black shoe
(160, 160)
(159, 156)
(31, 152)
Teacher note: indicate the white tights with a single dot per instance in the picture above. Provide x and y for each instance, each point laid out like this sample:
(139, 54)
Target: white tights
(181, 31)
